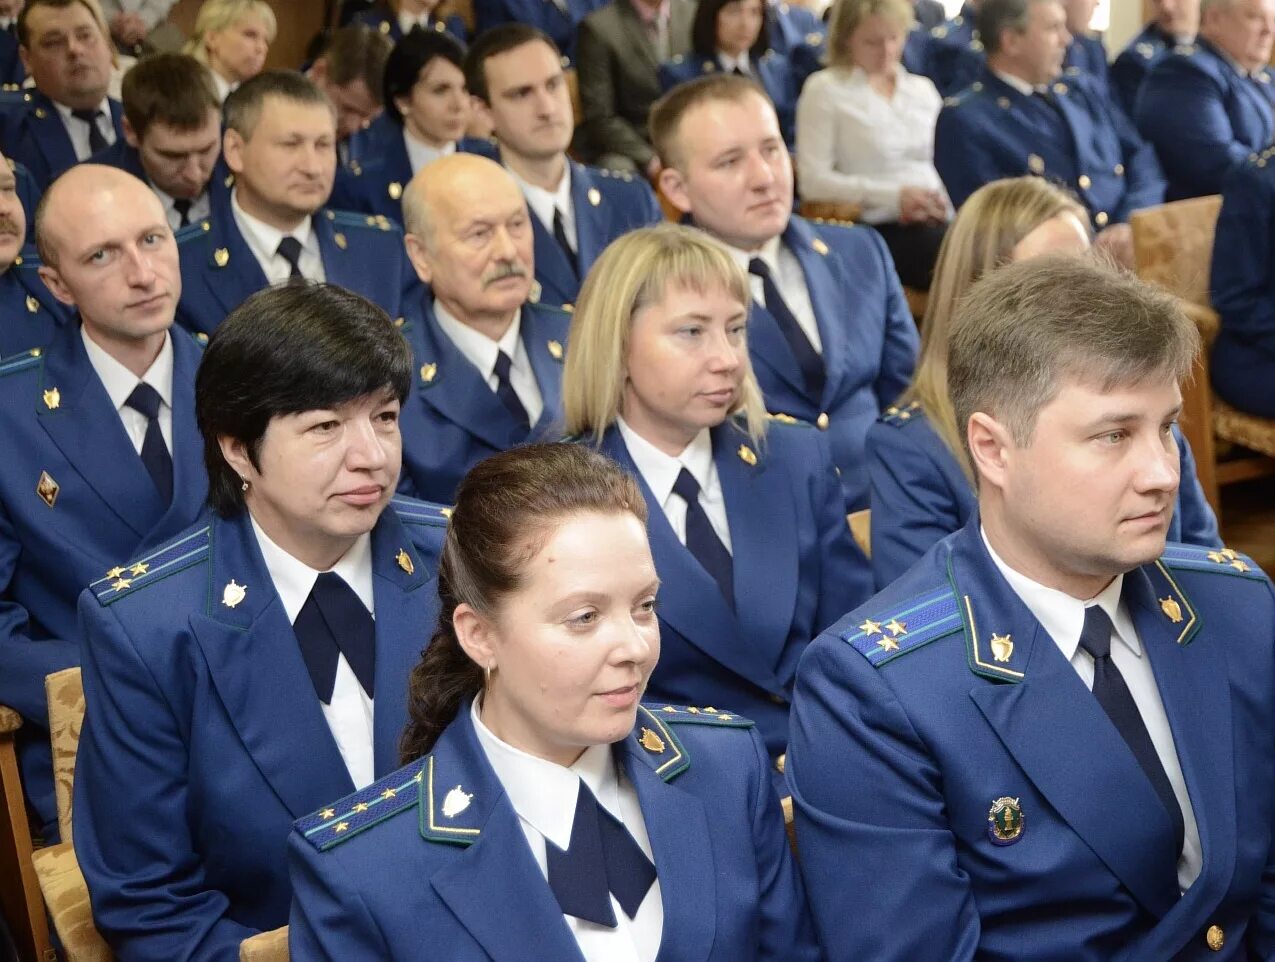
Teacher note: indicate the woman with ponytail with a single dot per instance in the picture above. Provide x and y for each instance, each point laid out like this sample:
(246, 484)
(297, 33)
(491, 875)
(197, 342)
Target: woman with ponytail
(544, 811)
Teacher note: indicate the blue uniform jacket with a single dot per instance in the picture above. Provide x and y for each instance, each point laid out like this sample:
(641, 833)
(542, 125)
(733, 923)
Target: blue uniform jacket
(452, 419)
(34, 136)
(380, 170)
(475, 893)
(796, 571)
(126, 157)
(30, 313)
(796, 33)
(607, 204)
(869, 343)
(386, 22)
(99, 506)
(942, 696)
(219, 271)
(1087, 56)
(1242, 371)
(955, 55)
(204, 739)
(772, 70)
(1134, 62)
(562, 23)
(992, 131)
(12, 72)
(920, 494)
(1203, 118)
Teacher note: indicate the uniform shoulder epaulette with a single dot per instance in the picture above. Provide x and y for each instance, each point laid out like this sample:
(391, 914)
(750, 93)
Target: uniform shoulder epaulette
(197, 229)
(20, 362)
(939, 32)
(330, 826)
(1226, 561)
(905, 626)
(899, 416)
(168, 560)
(613, 174)
(683, 715)
(1186, 49)
(29, 259)
(412, 511)
(780, 417)
(352, 219)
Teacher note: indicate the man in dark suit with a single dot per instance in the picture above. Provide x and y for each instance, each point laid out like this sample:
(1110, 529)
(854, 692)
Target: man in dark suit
(350, 71)
(280, 143)
(101, 443)
(68, 116)
(621, 48)
(29, 313)
(172, 135)
(514, 73)
(1050, 738)
(1173, 25)
(830, 335)
(242, 672)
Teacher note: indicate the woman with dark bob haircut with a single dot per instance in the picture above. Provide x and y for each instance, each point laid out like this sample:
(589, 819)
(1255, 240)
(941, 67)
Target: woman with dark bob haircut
(731, 36)
(544, 811)
(255, 665)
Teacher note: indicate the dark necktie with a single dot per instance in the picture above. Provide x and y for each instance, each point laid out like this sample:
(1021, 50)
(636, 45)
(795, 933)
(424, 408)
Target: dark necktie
(505, 390)
(808, 359)
(182, 206)
(331, 623)
(737, 71)
(290, 250)
(158, 462)
(1113, 695)
(96, 140)
(560, 235)
(702, 540)
(601, 858)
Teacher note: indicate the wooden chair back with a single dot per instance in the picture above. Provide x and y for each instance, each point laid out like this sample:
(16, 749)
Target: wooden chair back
(20, 901)
(269, 946)
(861, 528)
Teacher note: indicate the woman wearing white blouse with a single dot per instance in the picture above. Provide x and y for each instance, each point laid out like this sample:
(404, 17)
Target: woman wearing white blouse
(865, 134)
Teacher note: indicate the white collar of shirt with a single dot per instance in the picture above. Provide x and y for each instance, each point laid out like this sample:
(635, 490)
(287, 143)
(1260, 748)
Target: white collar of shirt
(119, 381)
(544, 793)
(221, 85)
(1063, 616)
(768, 253)
(729, 63)
(102, 109)
(544, 202)
(1019, 84)
(406, 21)
(419, 153)
(78, 131)
(294, 579)
(660, 471)
(478, 348)
(263, 239)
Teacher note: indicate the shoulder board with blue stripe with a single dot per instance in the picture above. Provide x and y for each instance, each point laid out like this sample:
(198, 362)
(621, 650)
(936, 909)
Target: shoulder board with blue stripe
(198, 229)
(683, 715)
(412, 511)
(779, 417)
(20, 362)
(899, 416)
(178, 555)
(330, 826)
(1224, 561)
(350, 219)
(905, 627)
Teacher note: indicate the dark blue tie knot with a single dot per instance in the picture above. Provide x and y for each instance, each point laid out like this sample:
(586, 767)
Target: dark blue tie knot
(1095, 636)
(702, 540)
(686, 487)
(601, 859)
(145, 400)
(759, 268)
(505, 390)
(290, 250)
(803, 350)
(503, 366)
(334, 622)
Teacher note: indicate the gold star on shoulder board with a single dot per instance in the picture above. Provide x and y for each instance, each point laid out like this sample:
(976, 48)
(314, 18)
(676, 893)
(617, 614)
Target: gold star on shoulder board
(119, 584)
(1239, 565)
(361, 807)
(896, 627)
(115, 572)
(870, 628)
(140, 568)
(327, 813)
(404, 561)
(342, 826)
(388, 794)
(888, 644)
(1217, 557)
(52, 398)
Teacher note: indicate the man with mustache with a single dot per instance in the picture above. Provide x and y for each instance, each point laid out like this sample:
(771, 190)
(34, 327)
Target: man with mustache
(30, 312)
(488, 357)
(101, 445)
(273, 227)
(514, 74)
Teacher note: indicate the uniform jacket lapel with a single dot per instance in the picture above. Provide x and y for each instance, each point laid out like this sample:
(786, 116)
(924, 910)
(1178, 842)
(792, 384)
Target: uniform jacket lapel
(261, 678)
(591, 216)
(546, 363)
(1053, 727)
(50, 134)
(231, 271)
(558, 280)
(691, 602)
(828, 296)
(85, 425)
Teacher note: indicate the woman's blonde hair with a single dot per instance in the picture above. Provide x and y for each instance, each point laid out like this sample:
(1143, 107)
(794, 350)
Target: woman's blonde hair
(216, 15)
(847, 15)
(635, 271)
(983, 236)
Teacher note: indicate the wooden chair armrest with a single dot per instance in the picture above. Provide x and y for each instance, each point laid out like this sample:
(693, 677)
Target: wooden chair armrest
(67, 897)
(10, 720)
(1206, 320)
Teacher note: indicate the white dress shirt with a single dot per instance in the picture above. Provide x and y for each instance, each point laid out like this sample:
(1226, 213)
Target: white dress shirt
(263, 241)
(854, 145)
(200, 208)
(791, 281)
(119, 382)
(420, 153)
(406, 21)
(543, 203)
(78, 130)
(543, 795)
(480, 351)
(1063, 617)
(349, 715)
(729, 63)
(660, 471)
(221, 85)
